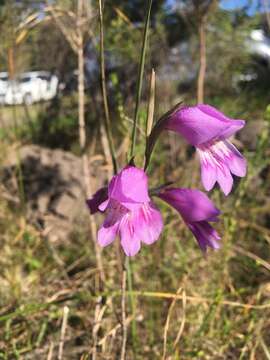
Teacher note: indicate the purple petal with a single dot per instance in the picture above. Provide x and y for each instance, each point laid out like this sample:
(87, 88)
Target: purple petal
(205, 234)
(103, 206)
(224, 178)
(99, 197)
(193, 205)
(237, 163)
(129, 186)
(202, 123)
(208, 174)
(131, 244)
(114, 212)
(218, 159)
(235, 125)
(196, 126)
(107, 234)
(148, 224)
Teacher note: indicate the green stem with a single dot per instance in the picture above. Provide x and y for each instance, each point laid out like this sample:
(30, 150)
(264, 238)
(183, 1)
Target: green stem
(128, 267)
(104, 91)
(140, 78)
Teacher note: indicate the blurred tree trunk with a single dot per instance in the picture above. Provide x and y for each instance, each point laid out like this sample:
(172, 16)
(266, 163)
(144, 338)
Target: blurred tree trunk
(202, 69)
(202, 10)
(266, 6)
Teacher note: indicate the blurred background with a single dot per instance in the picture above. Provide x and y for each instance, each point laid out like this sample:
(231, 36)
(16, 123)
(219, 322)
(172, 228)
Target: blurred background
(59, 295)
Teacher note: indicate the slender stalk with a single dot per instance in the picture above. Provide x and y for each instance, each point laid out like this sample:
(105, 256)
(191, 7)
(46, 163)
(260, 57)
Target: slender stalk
(104, 91)
(140, 78)
(131, 300)
(151, 104)
(123, 312)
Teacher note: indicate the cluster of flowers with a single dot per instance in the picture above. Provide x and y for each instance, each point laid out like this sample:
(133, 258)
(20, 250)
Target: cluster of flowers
(129, 209)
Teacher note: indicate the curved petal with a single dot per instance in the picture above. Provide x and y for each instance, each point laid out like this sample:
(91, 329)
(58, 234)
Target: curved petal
(99, 197)
(129, 186)
(196, 126)
(224, 178)
(208, 175)
(205, 234)
(148, 224)
(131, 244)
(235, 125)
(107, 234)
(218, 159)
(236, 162)
(193, 205)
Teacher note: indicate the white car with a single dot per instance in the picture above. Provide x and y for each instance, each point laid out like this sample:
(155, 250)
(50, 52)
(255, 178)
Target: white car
(31, 87)
(3, 85)
(259, 44)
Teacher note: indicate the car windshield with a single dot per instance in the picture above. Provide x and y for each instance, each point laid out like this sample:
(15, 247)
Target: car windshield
(44, 77)
(25, 79)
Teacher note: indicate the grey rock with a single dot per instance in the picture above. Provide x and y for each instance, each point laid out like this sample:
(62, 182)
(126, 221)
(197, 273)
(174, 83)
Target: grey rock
(53, 188)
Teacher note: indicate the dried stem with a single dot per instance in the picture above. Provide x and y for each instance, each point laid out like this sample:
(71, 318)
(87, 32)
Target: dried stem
(50, 352)
(63, 332)
(69, 35)
(82, 133)
(167, 324)
(181, 328)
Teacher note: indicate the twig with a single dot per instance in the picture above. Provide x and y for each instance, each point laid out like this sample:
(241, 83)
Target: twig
(99, 312)
(252, 256)
(265, 349)
(82, 134)
(113, 331)
(70, 37)
(182, 325)
(123, 308)
(63, 332)
(198, 299)
(50, 353)
(167, 323)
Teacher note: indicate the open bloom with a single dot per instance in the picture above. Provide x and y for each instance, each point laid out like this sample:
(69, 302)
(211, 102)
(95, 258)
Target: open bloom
(197, 210)
(208, 130)
(129, 211)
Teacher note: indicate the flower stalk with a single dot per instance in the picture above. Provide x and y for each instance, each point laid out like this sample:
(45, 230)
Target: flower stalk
(140, 78)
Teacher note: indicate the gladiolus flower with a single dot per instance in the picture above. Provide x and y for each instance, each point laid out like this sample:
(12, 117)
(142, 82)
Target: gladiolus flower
(197, 210)
(129, 211)
(208, 130)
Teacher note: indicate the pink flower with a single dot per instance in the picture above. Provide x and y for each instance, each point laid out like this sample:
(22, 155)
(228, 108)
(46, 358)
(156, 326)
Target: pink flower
(129, 211)
(208, 130)
(197, 210)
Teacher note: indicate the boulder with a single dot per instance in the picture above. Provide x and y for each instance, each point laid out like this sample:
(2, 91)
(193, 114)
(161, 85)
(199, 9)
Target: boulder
(53, 188)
